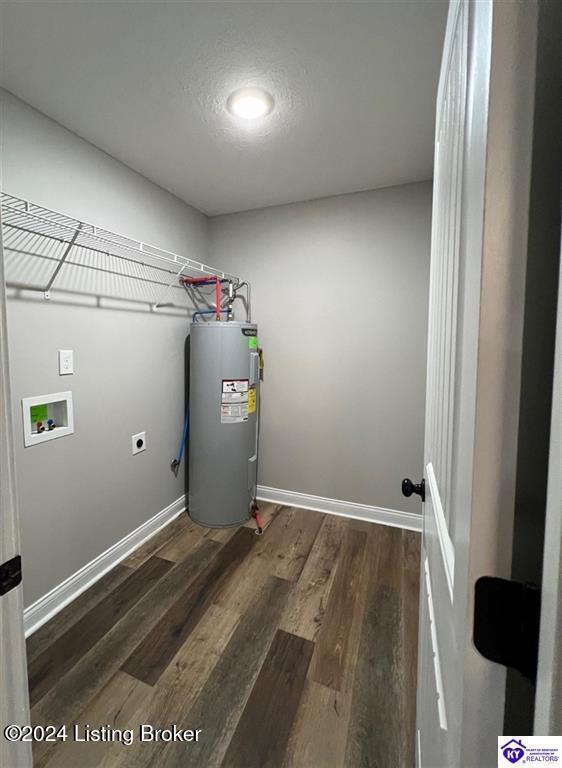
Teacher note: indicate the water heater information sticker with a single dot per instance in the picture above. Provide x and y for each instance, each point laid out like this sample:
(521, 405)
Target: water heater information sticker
(234, 401)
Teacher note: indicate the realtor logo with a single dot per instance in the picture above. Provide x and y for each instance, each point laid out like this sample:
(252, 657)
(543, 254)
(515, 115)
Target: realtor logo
(513, 750)
(546, 750)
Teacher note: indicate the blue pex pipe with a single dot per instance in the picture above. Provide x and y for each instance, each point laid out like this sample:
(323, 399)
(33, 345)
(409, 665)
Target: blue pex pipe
(183, 438)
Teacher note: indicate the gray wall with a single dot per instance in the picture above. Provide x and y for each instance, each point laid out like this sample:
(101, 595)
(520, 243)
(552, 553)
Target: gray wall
(340, 295)
(80, 494)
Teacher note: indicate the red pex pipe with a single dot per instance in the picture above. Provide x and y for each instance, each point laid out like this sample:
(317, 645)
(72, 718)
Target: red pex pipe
(255, 515)
(207, 280)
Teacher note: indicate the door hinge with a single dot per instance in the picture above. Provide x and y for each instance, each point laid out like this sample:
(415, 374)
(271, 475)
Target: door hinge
(507, 623)
(10, 574)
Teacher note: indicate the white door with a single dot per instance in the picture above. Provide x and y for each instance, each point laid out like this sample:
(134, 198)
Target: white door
(14, 706)
(548, 703)
(478, 258)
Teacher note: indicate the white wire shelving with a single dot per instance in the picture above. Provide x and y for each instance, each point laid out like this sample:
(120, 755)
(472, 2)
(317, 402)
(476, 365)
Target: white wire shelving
(45, 250)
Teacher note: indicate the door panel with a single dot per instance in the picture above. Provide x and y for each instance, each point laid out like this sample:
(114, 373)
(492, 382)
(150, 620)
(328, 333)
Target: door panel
(444, 279)
(432, 726)
(438, 684)
(548, 706)
(478, 259)
(14, 704)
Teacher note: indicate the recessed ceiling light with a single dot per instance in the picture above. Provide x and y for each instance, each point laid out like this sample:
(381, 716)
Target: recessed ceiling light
(250, 103)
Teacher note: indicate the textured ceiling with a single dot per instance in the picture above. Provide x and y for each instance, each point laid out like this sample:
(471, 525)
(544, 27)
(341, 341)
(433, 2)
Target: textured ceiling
(354, 86)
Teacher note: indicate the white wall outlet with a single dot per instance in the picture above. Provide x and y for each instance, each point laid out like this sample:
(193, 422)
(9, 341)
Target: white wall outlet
(66, 362)
(138, 442)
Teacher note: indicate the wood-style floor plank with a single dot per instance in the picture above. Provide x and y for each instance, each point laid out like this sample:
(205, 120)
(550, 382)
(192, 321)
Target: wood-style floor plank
(376, 730)
(288, 541)
(115, 705)
(74, 691)
(221, 535)
(319, 734)
(150, 547)
(262, 733)
(410, 601)
(48, 633)
(186, 675)
(219, 706)
(275, 553)
(182, 543)
(307, 605)
(47, 668)
(332, 643)
(386, 556)
(179, 687)
(153, 654)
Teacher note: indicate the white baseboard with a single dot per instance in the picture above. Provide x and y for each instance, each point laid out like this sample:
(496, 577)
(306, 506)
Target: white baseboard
(54, 601)
(392, 517)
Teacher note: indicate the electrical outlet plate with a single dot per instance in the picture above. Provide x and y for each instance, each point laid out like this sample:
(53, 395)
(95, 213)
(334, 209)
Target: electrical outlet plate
(138, 442)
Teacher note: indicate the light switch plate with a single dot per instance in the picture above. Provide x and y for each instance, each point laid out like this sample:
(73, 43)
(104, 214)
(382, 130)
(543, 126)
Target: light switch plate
(66, 362)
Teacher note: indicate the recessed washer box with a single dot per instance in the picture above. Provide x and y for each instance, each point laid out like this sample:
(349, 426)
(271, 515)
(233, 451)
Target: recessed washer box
(41, 408)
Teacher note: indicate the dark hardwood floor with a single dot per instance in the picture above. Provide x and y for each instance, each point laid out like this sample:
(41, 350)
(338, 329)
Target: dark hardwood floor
(296, 649)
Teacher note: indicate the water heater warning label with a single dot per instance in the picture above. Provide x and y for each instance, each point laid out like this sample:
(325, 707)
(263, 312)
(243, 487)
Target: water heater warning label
(252, 400)
(234, 385)
(234, 401)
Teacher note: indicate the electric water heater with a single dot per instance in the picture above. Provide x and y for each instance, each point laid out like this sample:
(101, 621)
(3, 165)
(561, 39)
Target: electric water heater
(223, 423)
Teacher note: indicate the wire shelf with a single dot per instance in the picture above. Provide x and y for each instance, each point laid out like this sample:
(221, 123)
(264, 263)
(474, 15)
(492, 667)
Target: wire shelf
(45, 250)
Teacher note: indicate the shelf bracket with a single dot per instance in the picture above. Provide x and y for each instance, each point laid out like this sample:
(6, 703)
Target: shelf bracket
(47, 289)
(166, 292)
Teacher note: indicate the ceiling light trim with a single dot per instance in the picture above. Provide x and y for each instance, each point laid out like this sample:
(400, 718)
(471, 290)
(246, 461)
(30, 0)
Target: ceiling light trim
(250, 103)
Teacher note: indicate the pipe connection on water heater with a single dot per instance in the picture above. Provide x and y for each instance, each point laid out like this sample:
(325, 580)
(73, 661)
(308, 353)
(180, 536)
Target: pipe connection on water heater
(231, 296)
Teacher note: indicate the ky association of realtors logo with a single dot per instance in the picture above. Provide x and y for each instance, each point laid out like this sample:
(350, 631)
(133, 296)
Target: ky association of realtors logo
(521, 750)
(513, 750)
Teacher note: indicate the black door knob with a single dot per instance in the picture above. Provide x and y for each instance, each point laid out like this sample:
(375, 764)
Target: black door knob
(408, 488)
